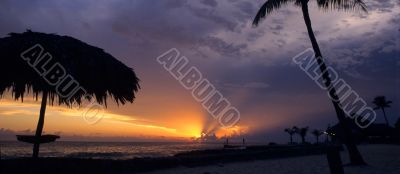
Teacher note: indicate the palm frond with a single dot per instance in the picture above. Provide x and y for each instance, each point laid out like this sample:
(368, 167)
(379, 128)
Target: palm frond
(100, 74)
(386, 105)
(267, 8)
(345, 5)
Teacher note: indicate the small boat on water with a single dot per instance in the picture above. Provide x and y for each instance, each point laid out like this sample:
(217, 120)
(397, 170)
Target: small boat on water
(32, 138)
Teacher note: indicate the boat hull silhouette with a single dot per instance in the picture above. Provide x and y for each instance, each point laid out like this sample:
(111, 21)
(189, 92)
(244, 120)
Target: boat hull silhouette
(32, 139)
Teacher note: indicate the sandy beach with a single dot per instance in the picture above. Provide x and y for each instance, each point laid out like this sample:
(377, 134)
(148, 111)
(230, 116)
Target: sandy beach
(381, 159)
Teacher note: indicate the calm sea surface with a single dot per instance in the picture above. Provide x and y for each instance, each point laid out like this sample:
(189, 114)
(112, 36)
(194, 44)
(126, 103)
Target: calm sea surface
(100, 150)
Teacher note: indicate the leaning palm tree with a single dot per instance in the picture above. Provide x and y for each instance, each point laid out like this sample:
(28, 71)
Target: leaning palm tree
(381, 103)
(291, 132)
(317, 133)
(348, 5)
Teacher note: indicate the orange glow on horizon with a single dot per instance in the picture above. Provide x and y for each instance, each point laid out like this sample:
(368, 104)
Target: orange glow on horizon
(19, 116)
(232, 131)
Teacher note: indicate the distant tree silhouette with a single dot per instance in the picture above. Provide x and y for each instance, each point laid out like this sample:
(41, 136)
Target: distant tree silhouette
(381, 103)
(291, 132)
(302, 133)
(317, 133)
(342, 5)
(397, 125)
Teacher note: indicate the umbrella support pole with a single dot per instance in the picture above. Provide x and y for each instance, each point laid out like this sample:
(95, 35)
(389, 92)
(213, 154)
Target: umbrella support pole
(40, 124)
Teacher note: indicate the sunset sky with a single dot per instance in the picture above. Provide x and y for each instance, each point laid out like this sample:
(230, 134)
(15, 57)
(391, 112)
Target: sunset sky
(250, 66)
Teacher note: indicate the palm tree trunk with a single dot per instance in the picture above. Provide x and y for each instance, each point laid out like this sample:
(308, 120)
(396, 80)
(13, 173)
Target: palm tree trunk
(384, 115)
(291, 139)
(317, 139)
(355, 156)
(40, 124)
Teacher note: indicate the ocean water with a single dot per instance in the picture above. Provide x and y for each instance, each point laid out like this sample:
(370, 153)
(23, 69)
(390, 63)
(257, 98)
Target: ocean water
(102, 150)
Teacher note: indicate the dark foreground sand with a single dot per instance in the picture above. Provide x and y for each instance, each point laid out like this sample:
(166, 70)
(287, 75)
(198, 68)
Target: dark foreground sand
(382, 159)
(307, 159)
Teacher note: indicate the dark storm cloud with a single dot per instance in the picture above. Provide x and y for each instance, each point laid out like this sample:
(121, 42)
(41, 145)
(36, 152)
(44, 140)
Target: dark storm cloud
(210, 15)
(175, 3)
(222, 47)
(246, 7)
(381, 6)
(211, 3)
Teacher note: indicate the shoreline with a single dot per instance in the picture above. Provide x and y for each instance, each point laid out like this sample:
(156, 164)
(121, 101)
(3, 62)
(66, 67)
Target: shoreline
(381, 158)
(187, 159)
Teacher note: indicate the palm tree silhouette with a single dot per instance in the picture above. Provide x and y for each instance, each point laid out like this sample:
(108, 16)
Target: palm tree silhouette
(381, 103)
(348, 5)
(302, 133)
(317, 133)
(291, 132)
